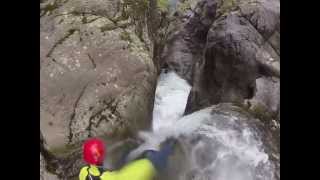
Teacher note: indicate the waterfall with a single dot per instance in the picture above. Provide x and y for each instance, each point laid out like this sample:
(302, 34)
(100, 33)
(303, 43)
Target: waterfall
(215, 146)
(170, 100)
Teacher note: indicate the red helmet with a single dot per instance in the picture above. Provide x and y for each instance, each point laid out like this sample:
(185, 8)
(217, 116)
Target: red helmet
(94, 151)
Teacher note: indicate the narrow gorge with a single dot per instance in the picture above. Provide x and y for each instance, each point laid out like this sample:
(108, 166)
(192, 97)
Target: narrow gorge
(135, 72)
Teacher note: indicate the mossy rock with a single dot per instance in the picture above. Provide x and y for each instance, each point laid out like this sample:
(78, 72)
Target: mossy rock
(183, 7)
(260, 113)
(125, 36)
(49, 8)
(136, 9)
(65, 151)
(227, 6)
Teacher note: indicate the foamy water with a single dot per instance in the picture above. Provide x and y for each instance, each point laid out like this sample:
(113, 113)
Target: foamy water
(217, 146)
(170, 100)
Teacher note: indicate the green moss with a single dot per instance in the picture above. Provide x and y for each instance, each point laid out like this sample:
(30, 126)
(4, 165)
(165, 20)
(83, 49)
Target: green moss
(125, 36)
(49, 8)
(108, 27)
(227, 6)
(136, 9)
(183, 7)
(257, 111)
(64, 151)
(163, 5)
(84, 20)
(260, 113)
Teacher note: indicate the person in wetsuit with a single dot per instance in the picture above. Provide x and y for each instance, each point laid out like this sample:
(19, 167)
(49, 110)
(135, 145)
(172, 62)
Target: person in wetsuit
(144, 168)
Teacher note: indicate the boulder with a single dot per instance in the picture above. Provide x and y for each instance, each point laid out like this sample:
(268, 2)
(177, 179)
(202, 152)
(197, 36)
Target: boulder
(44, 174)
(97, 77)
(266, 101)
(240, 48)
(186, 36)
(227, 141)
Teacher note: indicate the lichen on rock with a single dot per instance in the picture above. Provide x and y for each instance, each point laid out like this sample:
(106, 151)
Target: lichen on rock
(97, 75)
(100, 60)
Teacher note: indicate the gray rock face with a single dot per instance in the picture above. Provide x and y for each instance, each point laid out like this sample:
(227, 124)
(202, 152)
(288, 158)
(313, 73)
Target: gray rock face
(230, 52)
(267, 98)
(240, 48)
(99, 61)
(44, 174)
(222, 47)
(97, 76)
(187, 37)
(263, 15)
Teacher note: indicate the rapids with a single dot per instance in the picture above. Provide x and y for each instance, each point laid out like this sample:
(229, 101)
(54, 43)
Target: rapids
(212, 146)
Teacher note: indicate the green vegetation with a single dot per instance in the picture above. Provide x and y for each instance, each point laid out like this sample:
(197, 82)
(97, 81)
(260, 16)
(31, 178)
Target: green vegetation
(163, 5)
(261, 113)
(124, 35)
(183, 7)
(136, 9)
(108, 27)
(48, 8)
(227, 5)
(65, 150)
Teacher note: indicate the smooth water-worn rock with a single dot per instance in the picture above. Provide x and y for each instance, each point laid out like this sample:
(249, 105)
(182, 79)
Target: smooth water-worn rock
(222, 47)
(44, 174)
(186, 36)
(98, 65)
(235, 59)
(266, 102)
(238, 51)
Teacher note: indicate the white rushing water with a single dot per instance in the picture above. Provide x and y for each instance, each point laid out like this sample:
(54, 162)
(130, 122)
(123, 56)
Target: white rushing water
(170, 100)
(226, 148)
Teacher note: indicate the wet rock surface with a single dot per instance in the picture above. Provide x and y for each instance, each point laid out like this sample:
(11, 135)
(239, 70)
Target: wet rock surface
(222, 47)
(230, 52)
(266, 101)
(186, 36)
(240, 48)
(99, 61)
(230, 143)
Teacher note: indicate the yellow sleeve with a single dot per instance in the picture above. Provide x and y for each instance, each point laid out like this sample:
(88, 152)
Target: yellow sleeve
(83, 173)
(93, 170)
(137, 170)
